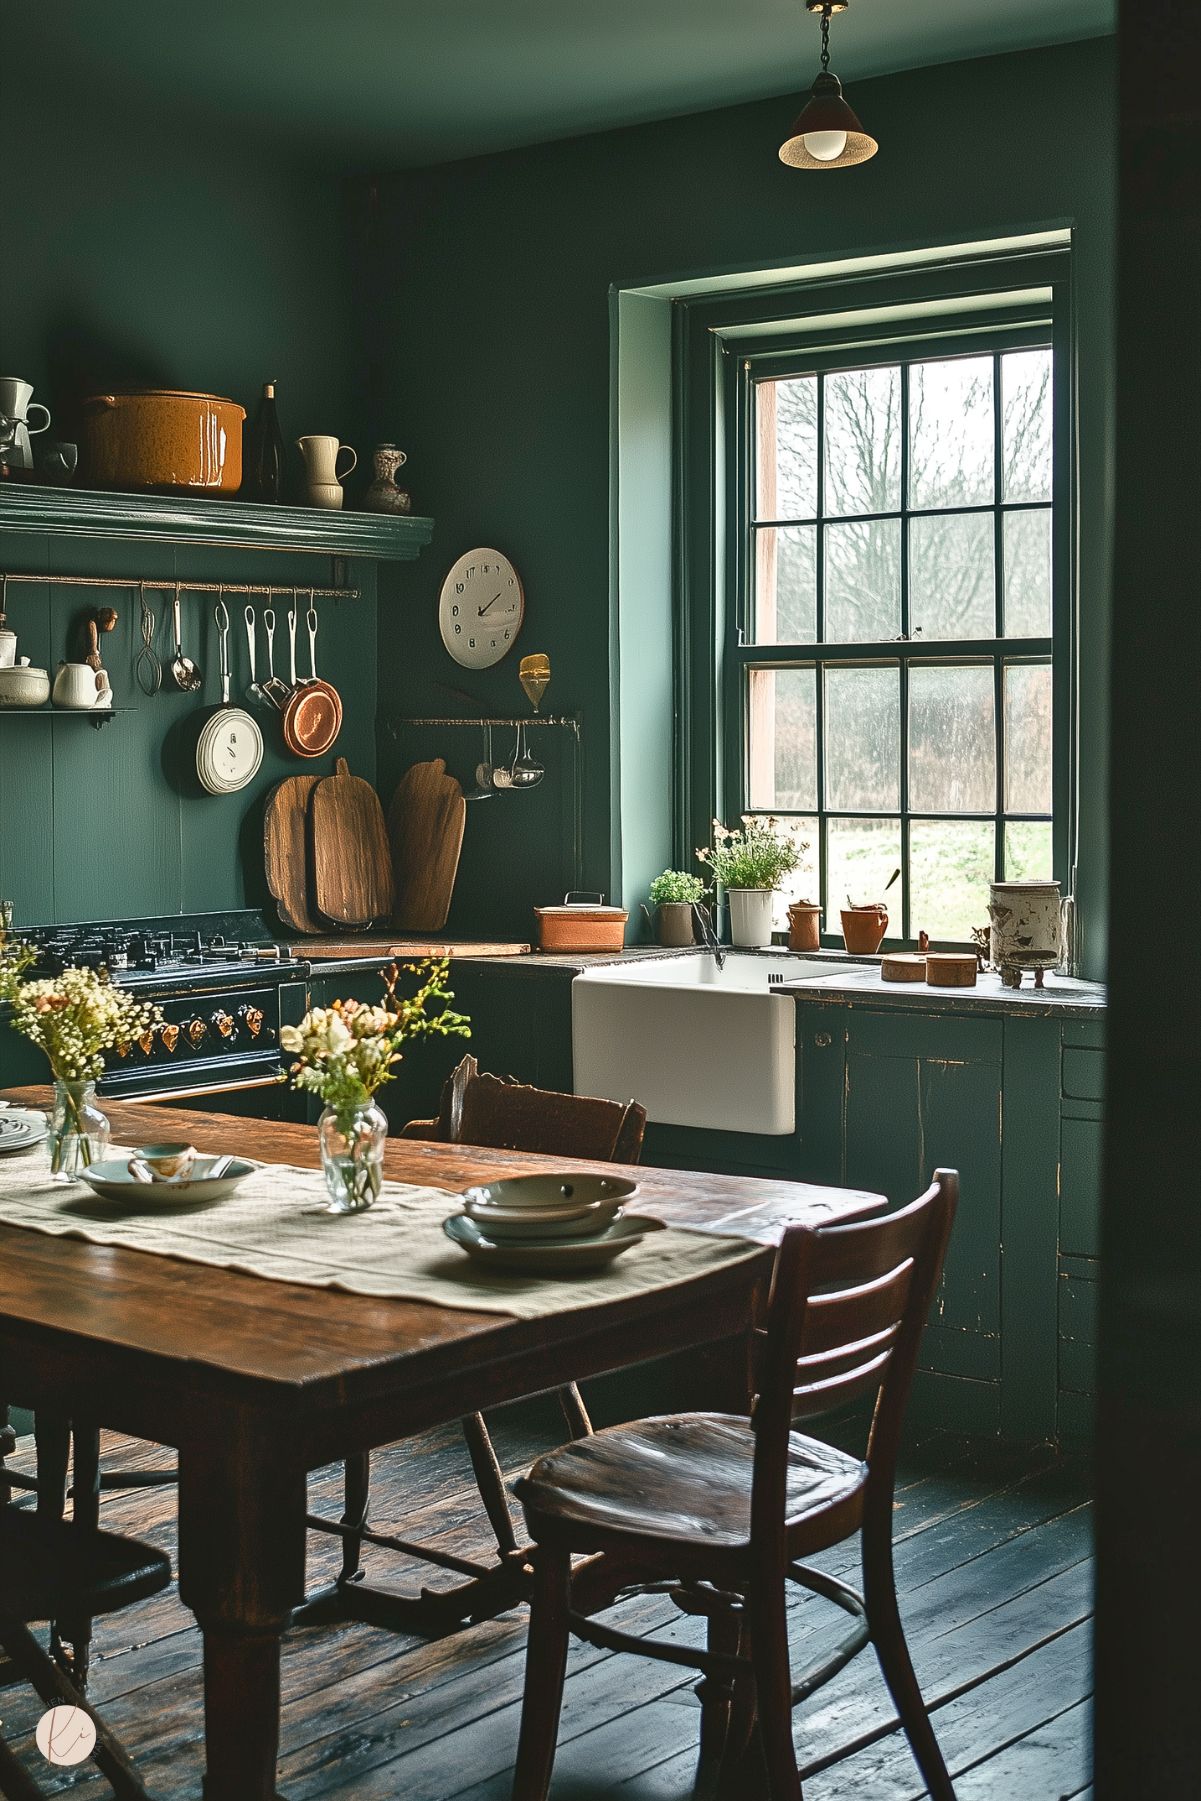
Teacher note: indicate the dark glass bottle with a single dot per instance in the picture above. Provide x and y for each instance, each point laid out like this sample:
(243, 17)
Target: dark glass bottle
(263, 457)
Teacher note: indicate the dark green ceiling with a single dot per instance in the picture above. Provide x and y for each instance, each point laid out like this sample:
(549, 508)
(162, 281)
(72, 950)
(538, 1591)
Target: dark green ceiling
(391, 83)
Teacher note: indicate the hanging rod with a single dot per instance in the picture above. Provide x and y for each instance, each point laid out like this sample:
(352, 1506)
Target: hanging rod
(570, 720)
(168, 585)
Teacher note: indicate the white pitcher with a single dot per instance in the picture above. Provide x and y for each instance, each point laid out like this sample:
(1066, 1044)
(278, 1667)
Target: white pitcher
(323, 483)
(79, 687)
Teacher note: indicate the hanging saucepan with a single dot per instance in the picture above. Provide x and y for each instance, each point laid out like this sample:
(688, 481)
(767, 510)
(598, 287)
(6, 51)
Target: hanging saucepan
(230, 747)
(313, 715)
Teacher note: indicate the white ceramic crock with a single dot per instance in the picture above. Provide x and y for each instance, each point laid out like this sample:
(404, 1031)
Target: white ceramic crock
(750, 917)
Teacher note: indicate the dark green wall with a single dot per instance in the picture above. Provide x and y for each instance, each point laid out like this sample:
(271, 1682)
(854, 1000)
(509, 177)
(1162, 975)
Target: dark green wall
(487, 286)
(140, 250)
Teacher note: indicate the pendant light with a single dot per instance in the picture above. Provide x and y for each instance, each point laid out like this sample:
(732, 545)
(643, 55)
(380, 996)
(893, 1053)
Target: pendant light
(826, 134)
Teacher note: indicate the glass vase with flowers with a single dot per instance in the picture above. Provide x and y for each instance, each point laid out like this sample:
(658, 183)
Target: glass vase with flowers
(345, 1053)
(75, 1018)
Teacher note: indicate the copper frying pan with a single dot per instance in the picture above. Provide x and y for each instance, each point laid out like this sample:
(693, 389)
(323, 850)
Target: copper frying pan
(312, 717)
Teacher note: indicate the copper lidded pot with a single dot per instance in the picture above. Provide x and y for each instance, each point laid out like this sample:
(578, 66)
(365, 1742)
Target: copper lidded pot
(162, 438)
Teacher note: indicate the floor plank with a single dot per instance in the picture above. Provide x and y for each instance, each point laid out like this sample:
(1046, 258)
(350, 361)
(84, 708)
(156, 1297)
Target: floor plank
(992, 1556)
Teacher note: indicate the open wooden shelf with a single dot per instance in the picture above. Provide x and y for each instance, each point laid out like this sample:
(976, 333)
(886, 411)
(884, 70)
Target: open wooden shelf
(196, 519)
(97, 716)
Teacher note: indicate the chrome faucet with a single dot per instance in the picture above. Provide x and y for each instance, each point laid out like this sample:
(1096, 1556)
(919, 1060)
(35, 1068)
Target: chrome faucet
(709, 938)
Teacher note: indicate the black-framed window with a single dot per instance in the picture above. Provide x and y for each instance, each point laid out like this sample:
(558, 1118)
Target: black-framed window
(895, 616)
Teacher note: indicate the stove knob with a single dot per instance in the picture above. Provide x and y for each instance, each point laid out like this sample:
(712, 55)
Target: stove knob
(223, 1023)
(123, 1050)
(146, 1040)
(252, 1020)
(196, 1031)
(169, 1036)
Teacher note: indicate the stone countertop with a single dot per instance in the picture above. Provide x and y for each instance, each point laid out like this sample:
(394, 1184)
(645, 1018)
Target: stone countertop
(1061, 997)
(528, 964)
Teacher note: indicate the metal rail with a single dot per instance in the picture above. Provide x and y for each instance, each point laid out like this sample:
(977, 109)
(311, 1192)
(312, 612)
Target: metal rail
(571, 721)
(168, 585)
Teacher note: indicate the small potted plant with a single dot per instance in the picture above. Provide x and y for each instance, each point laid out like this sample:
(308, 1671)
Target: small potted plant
(674, 894)
(74, 1017)
(750, 865)
(344, 1055)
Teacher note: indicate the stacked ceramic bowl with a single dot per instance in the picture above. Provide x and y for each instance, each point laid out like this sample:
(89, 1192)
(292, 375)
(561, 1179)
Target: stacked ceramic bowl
(549, 1225)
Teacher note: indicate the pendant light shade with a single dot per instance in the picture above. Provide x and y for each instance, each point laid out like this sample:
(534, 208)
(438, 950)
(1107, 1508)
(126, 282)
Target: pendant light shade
(826, 134)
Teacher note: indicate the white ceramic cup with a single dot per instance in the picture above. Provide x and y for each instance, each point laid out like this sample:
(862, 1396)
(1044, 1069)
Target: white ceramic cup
(8, 649)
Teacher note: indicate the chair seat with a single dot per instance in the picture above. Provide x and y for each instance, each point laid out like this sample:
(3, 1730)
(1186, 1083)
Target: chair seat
(684, 1478)
(50, 1569)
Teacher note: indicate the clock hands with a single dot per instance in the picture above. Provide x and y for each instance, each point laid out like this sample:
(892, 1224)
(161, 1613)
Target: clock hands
(480, 611)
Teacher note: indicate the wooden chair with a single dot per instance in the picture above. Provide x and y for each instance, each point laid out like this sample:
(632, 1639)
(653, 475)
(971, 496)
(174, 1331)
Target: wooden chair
(717, 1510)
(52, 1569)
(481, 1109)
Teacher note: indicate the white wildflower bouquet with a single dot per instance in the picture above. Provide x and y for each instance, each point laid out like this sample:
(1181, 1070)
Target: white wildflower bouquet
(758, 856)
(15, 958)
(345, 1052)
(76, 1017)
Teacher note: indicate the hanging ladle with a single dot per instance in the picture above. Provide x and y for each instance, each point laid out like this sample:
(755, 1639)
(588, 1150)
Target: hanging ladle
(184, 672)
(483, 789)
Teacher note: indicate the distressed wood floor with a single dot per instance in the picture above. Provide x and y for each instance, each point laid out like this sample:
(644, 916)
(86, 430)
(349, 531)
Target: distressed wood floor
(995, 1582)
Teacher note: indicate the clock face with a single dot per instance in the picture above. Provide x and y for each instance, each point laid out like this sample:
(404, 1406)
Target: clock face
(481, 608)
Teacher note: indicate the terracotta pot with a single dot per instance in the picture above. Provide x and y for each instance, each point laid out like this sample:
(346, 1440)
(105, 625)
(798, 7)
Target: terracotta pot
(863, 929)
(804, 926)
(160, 438)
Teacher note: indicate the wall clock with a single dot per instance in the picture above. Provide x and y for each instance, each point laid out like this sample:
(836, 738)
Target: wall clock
(480, 608)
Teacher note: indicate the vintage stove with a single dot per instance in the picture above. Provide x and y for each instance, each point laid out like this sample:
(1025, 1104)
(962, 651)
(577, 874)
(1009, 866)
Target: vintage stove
(223, 986)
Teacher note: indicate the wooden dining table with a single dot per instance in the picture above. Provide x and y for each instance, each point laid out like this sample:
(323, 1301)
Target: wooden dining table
(258, 1382)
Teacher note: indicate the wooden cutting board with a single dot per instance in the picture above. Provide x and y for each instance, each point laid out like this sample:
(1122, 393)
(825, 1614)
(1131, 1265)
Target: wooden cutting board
(352, 872)
(425, 829)
(377, 947)
(286, 851)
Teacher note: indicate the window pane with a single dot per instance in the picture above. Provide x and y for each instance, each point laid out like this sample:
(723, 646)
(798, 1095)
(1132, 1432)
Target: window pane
(802, 884)
(863, 581)
(783, 739)
(786, 430)
(861, 855)
(952, 576)
(786, 584)
(951, 447)
(952, 740)
(1028, 574)
(1027, 737)
(863, 739)
(951, 863)
(863, 441)
(1026, 423)
(1028, 853)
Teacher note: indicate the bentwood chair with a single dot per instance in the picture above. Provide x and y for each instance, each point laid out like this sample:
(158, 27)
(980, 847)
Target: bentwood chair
(54, 1569)
(501, 1114)
(717, 1510)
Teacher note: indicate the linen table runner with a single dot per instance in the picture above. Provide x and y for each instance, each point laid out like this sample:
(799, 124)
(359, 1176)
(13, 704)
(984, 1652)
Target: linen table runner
(274, 1225)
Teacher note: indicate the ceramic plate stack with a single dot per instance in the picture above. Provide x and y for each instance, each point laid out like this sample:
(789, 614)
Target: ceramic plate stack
(19, 1130)
(549, 1225)
(229, 751)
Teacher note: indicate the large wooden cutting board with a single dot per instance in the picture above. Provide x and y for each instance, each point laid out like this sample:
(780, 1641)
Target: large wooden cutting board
(425, 829)
(286, 851)
(352, 871)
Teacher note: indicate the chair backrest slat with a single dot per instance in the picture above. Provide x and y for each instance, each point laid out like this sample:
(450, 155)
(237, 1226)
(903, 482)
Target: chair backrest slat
(845, 1318)
(496, 1111)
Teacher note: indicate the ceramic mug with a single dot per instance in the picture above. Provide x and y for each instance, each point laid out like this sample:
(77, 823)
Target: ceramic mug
(16, 401)
(8, 649)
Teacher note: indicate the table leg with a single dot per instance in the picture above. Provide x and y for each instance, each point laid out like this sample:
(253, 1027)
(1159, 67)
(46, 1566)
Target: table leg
(241, 1571)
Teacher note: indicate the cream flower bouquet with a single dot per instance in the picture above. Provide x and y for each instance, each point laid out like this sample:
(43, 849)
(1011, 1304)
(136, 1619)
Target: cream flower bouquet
(75, 1018)
(344, 1054)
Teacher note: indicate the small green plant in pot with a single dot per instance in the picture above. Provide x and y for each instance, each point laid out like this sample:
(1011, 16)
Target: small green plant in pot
(750, 865)
(673, 895)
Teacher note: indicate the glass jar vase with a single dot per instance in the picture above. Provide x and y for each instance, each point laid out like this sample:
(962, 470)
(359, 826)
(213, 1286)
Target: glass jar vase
(352, 1155)
(79, 1132)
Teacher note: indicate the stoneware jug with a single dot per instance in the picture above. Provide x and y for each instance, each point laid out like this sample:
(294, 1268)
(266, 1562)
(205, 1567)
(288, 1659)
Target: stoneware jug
(1026, 929)
(383, 496)
(80, 688)
(322, 479)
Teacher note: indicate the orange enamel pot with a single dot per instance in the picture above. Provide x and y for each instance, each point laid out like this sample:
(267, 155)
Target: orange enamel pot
(162, 438)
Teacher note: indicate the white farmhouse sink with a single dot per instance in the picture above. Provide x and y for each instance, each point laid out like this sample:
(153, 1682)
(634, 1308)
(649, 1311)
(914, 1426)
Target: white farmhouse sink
(697, 1045)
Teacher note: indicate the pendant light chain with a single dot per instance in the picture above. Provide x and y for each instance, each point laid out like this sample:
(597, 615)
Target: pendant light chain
(825, 40)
